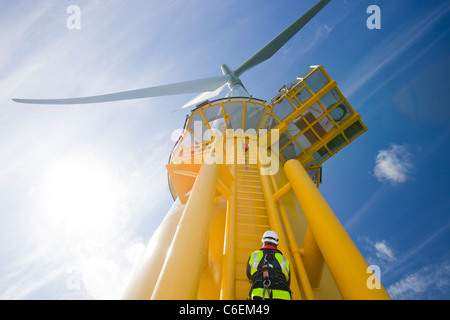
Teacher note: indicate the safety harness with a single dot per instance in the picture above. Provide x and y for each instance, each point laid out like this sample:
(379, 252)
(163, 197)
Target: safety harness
(269, 275)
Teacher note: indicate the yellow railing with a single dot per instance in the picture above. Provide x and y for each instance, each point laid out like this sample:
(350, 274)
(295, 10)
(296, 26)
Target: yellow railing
(301, 273)
(347, 266)
(183, 154)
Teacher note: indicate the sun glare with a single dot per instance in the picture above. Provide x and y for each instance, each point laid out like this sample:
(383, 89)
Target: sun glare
(79, 194)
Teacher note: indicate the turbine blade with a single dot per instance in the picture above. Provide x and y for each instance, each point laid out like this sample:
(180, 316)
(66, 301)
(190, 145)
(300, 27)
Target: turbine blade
(202, 97)
(193, 86)
(280, 40)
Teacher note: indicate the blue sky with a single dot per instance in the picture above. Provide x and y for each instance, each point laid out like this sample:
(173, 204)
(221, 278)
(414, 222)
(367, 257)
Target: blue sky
(389, 188)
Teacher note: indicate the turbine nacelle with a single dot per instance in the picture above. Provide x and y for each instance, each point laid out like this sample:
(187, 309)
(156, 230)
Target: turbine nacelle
(235, 85)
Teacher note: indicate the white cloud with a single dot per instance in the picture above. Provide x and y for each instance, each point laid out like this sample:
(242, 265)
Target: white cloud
(411, 284)
(394, 164)
(383, 251)
(378, 252)
(426, 280)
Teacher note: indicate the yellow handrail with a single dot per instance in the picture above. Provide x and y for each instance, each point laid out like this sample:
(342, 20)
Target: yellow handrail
(347, 266)
(300, 267)
(229, 258)
(194, 226)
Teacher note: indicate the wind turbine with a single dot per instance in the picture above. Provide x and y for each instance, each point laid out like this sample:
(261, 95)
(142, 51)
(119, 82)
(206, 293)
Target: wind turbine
(221, 209)
(207, 87)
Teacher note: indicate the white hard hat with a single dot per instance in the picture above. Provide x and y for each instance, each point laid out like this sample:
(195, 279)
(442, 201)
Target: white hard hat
(270, 236)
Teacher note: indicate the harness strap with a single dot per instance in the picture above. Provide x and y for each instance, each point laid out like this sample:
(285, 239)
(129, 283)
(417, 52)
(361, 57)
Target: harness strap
(277, 280)
(266, 284)
(273, 273)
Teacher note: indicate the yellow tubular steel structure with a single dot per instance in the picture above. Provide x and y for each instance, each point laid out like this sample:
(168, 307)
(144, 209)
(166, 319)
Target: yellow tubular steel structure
(276, 226)
(313, 259)
(174, 283)
(143, 282)
(346, 263)
(226, 198)
(295, 250)
(311, 265)
(229, 264)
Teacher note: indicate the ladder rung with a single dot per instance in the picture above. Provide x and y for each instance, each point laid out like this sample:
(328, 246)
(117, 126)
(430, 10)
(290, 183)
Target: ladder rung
(249, 185)
(247, 179)
(264, 216)
(248, 248)
(247, 173)
(251, 192)
(251, 207)
(250, 199)
(252, 225)
(250, 236)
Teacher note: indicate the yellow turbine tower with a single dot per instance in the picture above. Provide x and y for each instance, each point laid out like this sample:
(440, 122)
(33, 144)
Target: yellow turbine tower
(226, 198)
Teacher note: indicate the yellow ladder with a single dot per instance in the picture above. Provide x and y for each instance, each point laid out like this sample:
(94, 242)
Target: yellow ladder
(251, 222)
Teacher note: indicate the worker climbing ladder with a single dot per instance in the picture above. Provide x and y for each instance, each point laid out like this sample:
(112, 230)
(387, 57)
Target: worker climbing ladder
(252, 219)
(251, 222)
